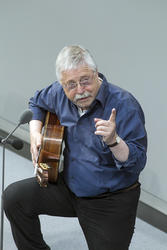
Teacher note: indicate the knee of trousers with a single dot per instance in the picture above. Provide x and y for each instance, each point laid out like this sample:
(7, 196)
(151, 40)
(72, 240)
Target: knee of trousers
(9, 198)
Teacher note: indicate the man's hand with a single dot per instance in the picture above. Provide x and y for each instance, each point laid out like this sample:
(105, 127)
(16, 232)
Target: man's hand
(107, 128)
(36, 139)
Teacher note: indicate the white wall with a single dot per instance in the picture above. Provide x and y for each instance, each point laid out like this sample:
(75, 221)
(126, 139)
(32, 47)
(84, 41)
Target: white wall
(128, 39)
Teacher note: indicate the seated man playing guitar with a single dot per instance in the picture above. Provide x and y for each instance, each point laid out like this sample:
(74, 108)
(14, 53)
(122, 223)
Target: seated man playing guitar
(104, 153)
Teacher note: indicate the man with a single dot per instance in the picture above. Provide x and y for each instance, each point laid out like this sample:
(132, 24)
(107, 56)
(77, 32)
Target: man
(105, 151)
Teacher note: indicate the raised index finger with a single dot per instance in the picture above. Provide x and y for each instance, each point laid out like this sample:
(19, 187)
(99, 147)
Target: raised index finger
(113, 115)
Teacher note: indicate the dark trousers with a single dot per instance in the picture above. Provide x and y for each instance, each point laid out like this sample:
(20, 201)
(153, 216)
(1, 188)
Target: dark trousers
(107, 220)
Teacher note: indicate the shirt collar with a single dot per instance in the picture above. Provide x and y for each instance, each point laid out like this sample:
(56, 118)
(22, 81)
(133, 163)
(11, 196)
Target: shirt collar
(103, 91)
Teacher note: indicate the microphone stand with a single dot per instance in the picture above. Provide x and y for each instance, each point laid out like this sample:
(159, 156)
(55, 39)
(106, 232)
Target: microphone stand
(4, 141)
(25, 118)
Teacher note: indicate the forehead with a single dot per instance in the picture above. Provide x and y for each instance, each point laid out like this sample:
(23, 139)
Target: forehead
(75, 74)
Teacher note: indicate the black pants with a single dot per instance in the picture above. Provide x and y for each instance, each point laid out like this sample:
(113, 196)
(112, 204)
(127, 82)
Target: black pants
(107, 220)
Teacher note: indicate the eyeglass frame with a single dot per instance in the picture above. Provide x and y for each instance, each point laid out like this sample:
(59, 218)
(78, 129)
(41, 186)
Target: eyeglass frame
(82, 83)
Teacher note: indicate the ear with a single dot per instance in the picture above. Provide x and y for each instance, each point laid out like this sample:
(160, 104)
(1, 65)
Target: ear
(96, 74)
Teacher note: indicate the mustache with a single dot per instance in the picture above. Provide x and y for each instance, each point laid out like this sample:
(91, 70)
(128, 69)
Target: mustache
(84, 95)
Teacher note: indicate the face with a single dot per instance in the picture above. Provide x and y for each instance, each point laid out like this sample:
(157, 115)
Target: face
(80, 85)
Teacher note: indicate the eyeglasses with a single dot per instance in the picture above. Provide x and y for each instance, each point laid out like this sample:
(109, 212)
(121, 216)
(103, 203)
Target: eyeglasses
(84, 81)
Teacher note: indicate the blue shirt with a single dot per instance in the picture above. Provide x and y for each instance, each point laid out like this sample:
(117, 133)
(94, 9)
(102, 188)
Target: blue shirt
(89, 166)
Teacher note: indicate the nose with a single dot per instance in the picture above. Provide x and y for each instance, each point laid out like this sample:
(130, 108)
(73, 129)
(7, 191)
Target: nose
(80, 89)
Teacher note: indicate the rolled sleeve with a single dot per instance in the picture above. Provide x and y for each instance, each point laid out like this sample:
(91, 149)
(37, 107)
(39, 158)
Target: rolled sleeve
(136, 159)
(43, 100)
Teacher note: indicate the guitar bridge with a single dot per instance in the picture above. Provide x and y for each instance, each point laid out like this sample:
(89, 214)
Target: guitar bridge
(42, 169)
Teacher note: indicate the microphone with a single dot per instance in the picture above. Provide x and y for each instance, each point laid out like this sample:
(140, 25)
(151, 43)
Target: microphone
(24, 118)
(16, 143)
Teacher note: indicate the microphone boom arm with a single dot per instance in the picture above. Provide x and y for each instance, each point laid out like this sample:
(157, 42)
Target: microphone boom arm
(4, 141)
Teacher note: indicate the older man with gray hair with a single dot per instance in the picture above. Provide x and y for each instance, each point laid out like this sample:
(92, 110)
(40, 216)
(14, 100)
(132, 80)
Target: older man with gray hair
(105, 151)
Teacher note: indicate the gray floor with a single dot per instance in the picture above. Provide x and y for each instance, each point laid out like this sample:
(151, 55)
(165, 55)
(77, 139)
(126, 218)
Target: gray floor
(65, 233)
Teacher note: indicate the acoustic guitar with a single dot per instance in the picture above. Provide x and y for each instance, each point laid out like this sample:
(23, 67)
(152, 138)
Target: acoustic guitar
(50, 150)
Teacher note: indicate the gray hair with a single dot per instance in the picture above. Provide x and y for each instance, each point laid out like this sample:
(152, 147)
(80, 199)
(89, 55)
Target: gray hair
(71, 57)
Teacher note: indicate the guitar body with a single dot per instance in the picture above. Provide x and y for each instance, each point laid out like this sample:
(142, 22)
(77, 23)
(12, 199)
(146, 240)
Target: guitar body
(50, 151)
